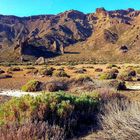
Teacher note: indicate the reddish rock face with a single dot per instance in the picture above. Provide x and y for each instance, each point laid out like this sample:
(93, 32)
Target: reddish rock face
(50, 34)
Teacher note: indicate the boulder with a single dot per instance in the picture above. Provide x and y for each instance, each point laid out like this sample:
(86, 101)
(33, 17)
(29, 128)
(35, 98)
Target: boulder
(40, 61)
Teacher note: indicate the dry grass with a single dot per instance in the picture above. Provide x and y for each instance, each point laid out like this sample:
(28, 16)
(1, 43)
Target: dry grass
(120, 119)
(31, 131)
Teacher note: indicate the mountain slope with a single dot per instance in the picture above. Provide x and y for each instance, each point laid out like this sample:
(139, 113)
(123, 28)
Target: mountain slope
(72, 35)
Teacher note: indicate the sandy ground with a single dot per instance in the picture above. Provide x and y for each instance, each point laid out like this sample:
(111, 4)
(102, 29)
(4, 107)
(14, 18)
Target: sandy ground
(17, 93)
(21, 77)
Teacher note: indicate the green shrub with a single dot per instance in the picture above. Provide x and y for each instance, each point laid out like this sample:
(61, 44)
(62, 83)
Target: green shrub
(46, 71)
(124, 77)
(82, 78)
(62, 109)
(127, 75)
(61, 73)
(138, 71)
(108, 75)
(32, 86)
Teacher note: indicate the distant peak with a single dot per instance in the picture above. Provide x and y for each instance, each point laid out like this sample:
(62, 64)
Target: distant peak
(73, 14)
(100, 10)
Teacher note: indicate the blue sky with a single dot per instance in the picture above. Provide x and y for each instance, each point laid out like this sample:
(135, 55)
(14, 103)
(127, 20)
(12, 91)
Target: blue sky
(35, 7)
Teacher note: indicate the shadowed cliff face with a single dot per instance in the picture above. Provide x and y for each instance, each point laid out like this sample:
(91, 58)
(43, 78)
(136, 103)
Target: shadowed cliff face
(48, 35)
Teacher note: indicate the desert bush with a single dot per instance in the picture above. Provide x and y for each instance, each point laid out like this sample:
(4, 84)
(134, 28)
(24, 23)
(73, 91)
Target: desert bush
(105, 95)
(98, 70)
(108, 75)
(46, 71)
(110, 66)
(31, 131)
(81, 70)
(60, 73)
(66, 111)
(114, 70)
(81, 83)
(5, 76)
(31, 86)
(120, 119)
(117, 84)
(30, 67)
(56, 86)
(125, 76)
(89, 67)
(13, 69)
(71, 68)
(61, 69)
(82, 78)
(131, 72)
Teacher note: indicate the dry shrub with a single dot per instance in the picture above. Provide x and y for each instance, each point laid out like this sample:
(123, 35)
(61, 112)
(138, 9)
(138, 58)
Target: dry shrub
(56, 86)
(127, 75)
(46, 71)
(98, 70)
(107, 95)
(5, 76)
(81, 70)
(14, 69)
(31, 131)
(120, 119)
(81, 83)
(60, 73)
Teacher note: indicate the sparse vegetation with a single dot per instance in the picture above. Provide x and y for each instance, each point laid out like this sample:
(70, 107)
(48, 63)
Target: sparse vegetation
(127, 75)
(11, 69)
(29, 67)
(108, 75)
(70, 105)
(60, 73)
(81, 70)
(118, 85)
(46, 71)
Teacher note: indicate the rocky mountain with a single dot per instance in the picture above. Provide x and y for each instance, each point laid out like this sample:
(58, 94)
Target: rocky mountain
(107, 35)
